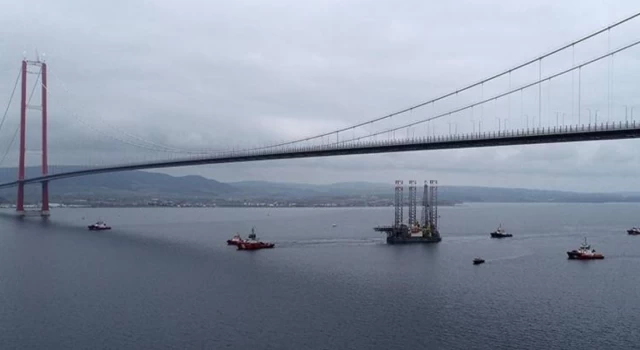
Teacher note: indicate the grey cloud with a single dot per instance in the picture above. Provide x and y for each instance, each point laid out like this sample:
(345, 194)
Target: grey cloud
(197, 74)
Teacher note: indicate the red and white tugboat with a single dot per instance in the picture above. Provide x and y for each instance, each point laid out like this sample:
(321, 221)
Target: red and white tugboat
(252, 243)
(584, 253)
(235, 240)
(99, 226)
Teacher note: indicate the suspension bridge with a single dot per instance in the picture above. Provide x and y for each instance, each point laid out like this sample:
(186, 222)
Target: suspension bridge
(571, 90)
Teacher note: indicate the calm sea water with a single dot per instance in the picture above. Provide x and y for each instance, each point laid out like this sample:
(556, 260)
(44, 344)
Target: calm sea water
(164, 278)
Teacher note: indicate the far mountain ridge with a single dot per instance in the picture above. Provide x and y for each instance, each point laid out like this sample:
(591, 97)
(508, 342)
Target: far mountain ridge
(149, 185)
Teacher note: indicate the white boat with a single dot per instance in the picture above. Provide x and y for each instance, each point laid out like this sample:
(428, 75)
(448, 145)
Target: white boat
(634, 231)
(99, 226)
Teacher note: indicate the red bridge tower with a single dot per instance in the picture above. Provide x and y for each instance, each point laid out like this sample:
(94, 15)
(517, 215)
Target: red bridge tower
(23, 126)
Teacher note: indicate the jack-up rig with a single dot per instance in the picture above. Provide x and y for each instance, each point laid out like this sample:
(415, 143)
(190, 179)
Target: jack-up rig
(414, 232)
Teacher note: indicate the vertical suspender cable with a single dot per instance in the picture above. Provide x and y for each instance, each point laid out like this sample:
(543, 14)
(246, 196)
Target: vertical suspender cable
(548, 101)
(573, 78)
(579, 93)
(609, 76)
(509, 97)
(540, 93)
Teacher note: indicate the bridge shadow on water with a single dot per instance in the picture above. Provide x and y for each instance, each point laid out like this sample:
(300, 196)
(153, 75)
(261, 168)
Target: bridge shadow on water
(115, 237)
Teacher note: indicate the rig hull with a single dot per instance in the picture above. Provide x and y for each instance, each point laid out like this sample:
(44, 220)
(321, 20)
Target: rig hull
(401, 235)
(409, 240)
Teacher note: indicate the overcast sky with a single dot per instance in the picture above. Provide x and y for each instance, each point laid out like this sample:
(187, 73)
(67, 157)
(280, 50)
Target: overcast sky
(210, 75)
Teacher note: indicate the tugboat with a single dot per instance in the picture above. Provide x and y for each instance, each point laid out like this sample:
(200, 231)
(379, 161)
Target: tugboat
(99, 226)
(235, 240)
(634, 231)
(252, 243)
(478, 261)
(500, 233)
(584, 252)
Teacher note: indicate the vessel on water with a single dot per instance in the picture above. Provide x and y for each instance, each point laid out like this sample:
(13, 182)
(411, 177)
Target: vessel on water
(414, 231)
(634, 231)
(585, 252)
(252, 243)
(478, 261)
(235, 240)
(99, 226)
(500, 233)
(403, 234)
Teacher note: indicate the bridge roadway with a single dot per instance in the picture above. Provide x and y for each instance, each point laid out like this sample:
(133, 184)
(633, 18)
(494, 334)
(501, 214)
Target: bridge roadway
(605, 131)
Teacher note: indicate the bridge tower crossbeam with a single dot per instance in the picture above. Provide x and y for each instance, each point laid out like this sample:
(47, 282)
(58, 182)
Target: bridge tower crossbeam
(44, 211)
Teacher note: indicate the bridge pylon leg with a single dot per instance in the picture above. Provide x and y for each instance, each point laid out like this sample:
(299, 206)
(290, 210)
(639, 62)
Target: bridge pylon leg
(23, 127)
(45, 166)
(20, 199)
(45, 199)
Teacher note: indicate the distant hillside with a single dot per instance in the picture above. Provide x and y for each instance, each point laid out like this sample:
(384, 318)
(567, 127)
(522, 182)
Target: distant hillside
(494, 194)
(454, 194)
(124, 184)
(143, 186)
(303, 190)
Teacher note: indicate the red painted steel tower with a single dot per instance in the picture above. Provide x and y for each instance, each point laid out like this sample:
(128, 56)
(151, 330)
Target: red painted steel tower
(23, 134)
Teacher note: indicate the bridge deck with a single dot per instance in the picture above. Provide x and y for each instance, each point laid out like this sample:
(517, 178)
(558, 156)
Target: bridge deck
(606, 131)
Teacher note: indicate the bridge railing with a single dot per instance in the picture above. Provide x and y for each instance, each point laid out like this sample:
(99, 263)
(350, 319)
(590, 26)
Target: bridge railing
(531, 132)
(437, 139)
(351, 144)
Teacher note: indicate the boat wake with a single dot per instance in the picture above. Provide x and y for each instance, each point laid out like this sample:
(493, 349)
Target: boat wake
(626, 257)
(330, 241)
(511, 257)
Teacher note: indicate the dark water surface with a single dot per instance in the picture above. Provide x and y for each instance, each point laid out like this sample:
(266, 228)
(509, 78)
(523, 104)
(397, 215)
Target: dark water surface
(164, 278)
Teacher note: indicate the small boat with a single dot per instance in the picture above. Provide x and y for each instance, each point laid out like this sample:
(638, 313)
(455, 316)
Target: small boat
(634, 231)
(500, 233)
(584, 252)
(235, 240)
(334, 225)
(252, 243)
(249, 245)
(99, 226)
(478, 261)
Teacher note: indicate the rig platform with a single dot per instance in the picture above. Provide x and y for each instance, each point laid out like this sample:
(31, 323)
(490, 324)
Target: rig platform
(400, 233)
